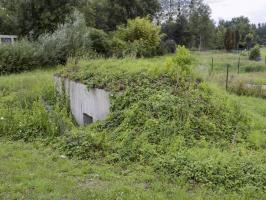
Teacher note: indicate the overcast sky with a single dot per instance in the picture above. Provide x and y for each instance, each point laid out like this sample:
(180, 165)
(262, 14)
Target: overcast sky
(255, 10)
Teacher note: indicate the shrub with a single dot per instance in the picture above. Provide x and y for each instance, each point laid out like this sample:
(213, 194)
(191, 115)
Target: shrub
(118, 47)
(166, 47)
(181, 63)
(70, 39)
(18, 57)
(255, 53)
(142, 37)
(255, 68)
(100, 41)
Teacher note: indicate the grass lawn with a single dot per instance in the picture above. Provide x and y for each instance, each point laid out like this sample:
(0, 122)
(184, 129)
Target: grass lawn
(31, 171)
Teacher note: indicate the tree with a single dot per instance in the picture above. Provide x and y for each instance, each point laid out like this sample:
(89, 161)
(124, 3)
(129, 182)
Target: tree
(177, 30)
(261, 32)
(108, 14)
(242, 27)
(220, 36)
(6, 23)
(229, 39)
(200, 25)
(172, 9)
(35, 17)
(249, 40)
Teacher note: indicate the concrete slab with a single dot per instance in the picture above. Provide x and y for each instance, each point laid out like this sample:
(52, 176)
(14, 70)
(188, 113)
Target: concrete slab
(87, 106)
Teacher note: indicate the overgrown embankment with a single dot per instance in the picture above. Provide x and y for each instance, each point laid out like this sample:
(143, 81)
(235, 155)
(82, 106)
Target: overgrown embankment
(162, 117)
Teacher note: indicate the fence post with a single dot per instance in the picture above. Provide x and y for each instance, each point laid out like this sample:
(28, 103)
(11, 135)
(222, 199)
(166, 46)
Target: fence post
(212, 65)
(227, 76)
(238, 66)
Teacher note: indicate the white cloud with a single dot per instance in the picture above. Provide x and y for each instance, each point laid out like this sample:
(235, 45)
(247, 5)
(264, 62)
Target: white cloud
(255, 10)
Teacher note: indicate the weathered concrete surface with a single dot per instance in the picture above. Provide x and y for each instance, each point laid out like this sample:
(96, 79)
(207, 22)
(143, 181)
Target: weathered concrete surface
(86, 106)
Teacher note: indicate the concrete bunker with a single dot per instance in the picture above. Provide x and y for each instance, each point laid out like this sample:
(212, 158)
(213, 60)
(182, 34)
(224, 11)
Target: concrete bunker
(87, 106)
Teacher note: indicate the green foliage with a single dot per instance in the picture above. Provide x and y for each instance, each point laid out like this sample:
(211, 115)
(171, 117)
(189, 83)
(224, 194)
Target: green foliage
(32, 18)
(258, 139)
(220, 37)
(200, 25)
(100, 41)
(249, 40)
(187, 132)
(29, 110)
(6, 23)
(70, 39)
(178, 129)
(254, 68)
(166, 47)
(255, 53)
(229, 39)
(141, 36)
(177, 31)
(108, 14)
(182, 61)
(21, 56)
(230, 170)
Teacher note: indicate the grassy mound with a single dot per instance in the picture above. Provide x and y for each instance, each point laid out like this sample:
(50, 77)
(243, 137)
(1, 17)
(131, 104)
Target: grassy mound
(165, 117)
(164, 120)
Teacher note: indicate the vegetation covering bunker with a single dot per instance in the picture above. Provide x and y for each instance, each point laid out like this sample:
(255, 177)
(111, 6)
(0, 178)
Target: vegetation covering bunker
(87, 106)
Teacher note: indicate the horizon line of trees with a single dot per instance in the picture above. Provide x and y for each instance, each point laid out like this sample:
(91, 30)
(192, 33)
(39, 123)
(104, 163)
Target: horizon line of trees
(183, 22)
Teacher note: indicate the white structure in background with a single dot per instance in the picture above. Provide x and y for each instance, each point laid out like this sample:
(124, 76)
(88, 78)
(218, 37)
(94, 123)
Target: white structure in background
(87, 106)
(8, 39)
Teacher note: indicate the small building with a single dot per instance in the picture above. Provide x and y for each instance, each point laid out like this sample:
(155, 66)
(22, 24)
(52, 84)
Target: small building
(8, 39)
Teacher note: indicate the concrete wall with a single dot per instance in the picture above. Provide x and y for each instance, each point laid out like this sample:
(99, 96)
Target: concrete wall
(94, 103)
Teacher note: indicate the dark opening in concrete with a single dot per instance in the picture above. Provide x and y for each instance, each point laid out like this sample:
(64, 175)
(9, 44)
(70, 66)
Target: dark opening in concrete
(87, 119)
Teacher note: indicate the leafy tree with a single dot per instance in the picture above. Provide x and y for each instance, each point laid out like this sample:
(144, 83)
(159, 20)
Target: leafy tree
(34, 17)
(249, 40)
(242, 27)
(172, 9)
(261, 32)
(108, 14)
(219, 37)
(229, 39)
(6, 23)
(177, 30)
(201, 27)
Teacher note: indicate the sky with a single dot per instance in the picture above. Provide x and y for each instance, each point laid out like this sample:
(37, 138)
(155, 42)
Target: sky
(255, 10)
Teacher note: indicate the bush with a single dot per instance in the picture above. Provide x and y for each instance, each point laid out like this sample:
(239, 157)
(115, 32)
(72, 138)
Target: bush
(18, 57)
(142, 37)
(118, 47)
(255, 53)
(181, 63)
(70, 39)
(166, 47)
(100, 41)
(255, 68)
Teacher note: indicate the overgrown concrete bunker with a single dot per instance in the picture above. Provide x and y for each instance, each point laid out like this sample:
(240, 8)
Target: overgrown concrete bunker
(87, 106)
